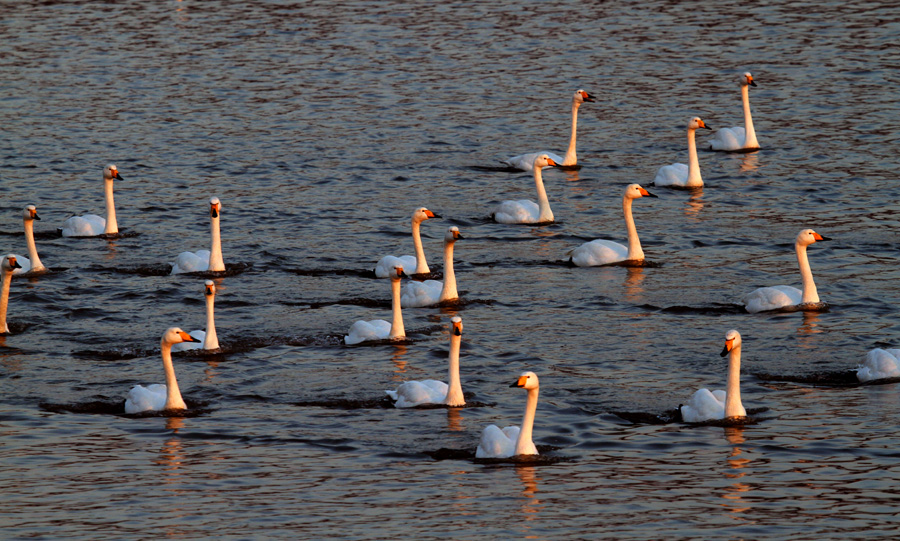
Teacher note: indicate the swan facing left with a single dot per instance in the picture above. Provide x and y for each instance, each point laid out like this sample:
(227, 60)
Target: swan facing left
(205, 339)
(419, 393)
(605, 252)
(204, 260)
(31, 264)
(91, 225)
(158, 397)
(7, 266)
(708, 406)
(513, 440)
(525, 211)
(779, 297)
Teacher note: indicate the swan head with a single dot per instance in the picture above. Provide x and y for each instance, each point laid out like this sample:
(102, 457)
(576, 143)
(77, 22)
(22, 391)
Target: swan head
(9, 263)
(175, 335)
(808, 236)
(732, 341)
(633, 191)
(746, 79)
(581, 96)
(30, 213)
(697, 122)
(111, 172)
(215, 207)
(452, 235)
(456, 326)
(209, 288)
(421, 214)
(543, 160)
(526, 380)
(397, 273)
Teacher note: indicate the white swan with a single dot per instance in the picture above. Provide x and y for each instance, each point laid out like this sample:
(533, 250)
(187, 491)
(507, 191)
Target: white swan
(91, 225)
(604, 252)
(7, 266)
(679, 175)
(525, 162)
(417, 393)
(513, 440)
(379, 329)
(384, 266)
(880, 364)
(775, 297)
(525, 211)
(708, 406)
(31, 264)
(158, 397)
(429, 292)
(204, 260)
(206, 339)
(738, 138)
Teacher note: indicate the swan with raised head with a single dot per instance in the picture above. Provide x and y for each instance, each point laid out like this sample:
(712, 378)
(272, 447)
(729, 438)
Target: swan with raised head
(513, 440)
(738, 138)
(379, 329)
(205, 339)
(708, 406)
(525, 211)
(7, 266)
(604, 252)
(31, 264)
(429, 292)
(679, 175)
(418, 393)
(204, 260)
(525, 162)
(879, 364)
(158, 397)
(776, 297)
(91, 225)
(388, 262)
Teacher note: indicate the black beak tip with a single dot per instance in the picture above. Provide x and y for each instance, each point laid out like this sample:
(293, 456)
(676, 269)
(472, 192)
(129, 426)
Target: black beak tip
(457, 332)
(752, 83)
(652, 195)
(36, 217)
(514, 384)
(436, 215)
(825, 238)
(724, 352)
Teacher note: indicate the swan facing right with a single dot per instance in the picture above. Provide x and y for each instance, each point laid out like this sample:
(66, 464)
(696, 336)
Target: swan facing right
(780, 297)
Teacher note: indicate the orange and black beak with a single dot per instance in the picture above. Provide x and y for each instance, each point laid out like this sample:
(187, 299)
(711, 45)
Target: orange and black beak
(645, 193)
(587, 97)
(729, 344)
(186, 337)
(552, 163)
(703, 125)
(34, 215)
(400, 273)
(752, 82)
(13, 264)
(431, 214)
(209, 290)
(457, 328)
(519, 382)
(213, 211)
(820, 237)
(116, 174)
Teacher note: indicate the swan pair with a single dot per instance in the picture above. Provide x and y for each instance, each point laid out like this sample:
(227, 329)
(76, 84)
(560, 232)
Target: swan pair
(31, 264)
(91, 225)
(158, 397)
(738, 139)
(525, 162)
(378, 329)
(679, 175)
(716, 405)
(418, 393)
(777, 297)
(387, 263)
(605, 252)
(205, 339)
(204, 260)
(8, 265)
(513, 440)
(525, 211)
(431, 292)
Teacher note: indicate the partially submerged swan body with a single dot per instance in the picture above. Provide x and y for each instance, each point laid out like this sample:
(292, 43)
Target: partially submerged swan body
(419, 393)
(737, 138)
(91, 225)
(205, 339)
(387, 263)
(679, 175)
(880, 364)
(780, 297)
(204, 260)
(7, 266)
(158, 397)
(431, 292)
(716, 405)
(525, 211)
(513, 440)
(605, 252)
(378, 329)
(31, 264)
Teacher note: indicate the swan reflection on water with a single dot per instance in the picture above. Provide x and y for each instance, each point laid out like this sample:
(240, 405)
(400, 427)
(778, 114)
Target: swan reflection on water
(531, 506)
(735, 492)
(397, 358)
(694, 205)
(634, 277)
(749, 162)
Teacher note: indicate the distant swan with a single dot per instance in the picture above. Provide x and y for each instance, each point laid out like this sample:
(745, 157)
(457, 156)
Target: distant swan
(708, 406)
(384, 266)
(603, 252)
(429, 292)
(679, 175)
(737, 138)
(207, 337)
(525, 211)
(31, 264)
(158, 397)
(775, 297)
(880, 364)
(8, 265)
(417, 393)
(513, 440)
(525, 161)
(204, 260)
(91, 225)
(379, 329)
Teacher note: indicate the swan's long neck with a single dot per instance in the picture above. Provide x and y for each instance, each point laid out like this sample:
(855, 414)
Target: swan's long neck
(173, 394)
(524, 443)
(634, 243)
(36, 264)
(546, 215)
(397, 330)
(694, 179)
(733, 406)
(421, 264)
(749, 132)
(810, 294)
(211, 341)
(571, 158)
(4, 299)
(448, 292)
(112, 227)
(454, 392)
(216, 263)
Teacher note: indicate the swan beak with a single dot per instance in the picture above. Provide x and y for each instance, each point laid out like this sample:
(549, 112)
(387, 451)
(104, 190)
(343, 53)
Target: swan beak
(752, 82)
(209, 290)
(820, 237)
(213, 211)
(13, 264)
(552, 163)
(457, 329)
(400, 273)
(34, 216)
(519, 382)
(457, 235)
(645, 193)
(703, 125)
(727, 348)
(117, 176)
(186, 337)
(587, 97)
(431, 214)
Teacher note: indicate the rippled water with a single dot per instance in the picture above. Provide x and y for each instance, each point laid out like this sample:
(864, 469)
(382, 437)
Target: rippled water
(321, 127)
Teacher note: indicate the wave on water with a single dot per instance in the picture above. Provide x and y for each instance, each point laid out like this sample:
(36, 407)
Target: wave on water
(109, 406)
(835, 378)
(541, 459)
(674, 416)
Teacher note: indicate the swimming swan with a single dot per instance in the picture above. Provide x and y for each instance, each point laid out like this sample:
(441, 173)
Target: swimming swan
(31, 264)
(7, 266)
(775, 297)
(604, 252)
(206, 339)
(379, 329)
(513, 440)
(708, 406)
(417, 393)
(91, 225)
(880, 364)
(384, 266)
(204, 260)
(429, 292)
(679, 175)
(525, 161)
(525, 211)
(158, 397)
(737, 138)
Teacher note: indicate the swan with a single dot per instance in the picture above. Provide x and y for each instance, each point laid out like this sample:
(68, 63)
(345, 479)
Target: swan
(775, 297)
(206, 339)
(604, 252)
(737, 138)
(417, 393)
(8, 265)
(429, 292)
(525, 162)
(525, 211)
(513, 440)
(880, 364)
(384, 266)
(158, 397)
(31, 264)
(379, 329)
(679, 175)
(91, 225)
(708, 406)
(204, 260)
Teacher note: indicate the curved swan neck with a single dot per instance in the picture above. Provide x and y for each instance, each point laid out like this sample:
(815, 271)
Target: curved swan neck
(448, 291)
(749, 132)
(694, 179)
(454, 390)
(173, 394)
(634, 243)
(36, 264)
(524, 443)
(546, 215)
(397, 330)
(571, 158)
(421, 264)
(810, 294)
(216, 263)
(112, 227)
(4, 300)
(733, 406)
(211, 341)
